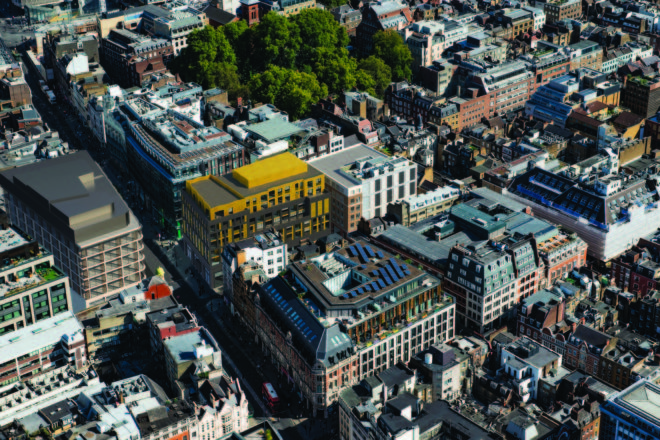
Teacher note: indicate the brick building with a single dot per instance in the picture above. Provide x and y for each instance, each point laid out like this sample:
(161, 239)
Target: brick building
(132, 59)
(642, 95)
(585, 348)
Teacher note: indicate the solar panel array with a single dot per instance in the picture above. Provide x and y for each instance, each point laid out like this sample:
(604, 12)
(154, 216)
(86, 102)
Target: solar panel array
(385, 276)
(292, 314)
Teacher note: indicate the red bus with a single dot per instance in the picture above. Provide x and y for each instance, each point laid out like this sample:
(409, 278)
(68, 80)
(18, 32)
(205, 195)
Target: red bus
(270, 396)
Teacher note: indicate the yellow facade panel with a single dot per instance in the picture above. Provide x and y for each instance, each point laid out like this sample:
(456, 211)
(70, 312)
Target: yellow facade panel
(269, 170)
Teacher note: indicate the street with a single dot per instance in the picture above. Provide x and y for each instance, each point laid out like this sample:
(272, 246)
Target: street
(241, 357)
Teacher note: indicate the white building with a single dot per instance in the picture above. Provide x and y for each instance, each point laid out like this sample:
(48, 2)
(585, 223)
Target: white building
(525, 362)
(267, 250)
(363, 181)
(425, 40)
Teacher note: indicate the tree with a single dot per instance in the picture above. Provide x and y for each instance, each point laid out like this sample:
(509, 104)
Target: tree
(389, 46)
(317, 29)
(289, 90)
(335, 69)
(275, 42)
(364, 82)
(239, 36)
(380, 73)
(331, 4)
(207, 53)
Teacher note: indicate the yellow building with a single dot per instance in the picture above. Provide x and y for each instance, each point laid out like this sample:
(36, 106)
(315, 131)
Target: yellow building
(280, 192)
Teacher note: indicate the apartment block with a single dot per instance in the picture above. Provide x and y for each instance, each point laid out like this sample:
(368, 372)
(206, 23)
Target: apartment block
(32, 288)
(280, 192)
(362, 182)
(34, 350)
(69, 206)
(165, 148)
(425, 41)
(446, 368)
(361, 312)
(379, 16)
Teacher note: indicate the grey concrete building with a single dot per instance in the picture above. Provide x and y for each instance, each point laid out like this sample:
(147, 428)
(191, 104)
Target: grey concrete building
(70, 206)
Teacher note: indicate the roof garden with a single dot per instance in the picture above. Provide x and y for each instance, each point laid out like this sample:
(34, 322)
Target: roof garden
(29, 279)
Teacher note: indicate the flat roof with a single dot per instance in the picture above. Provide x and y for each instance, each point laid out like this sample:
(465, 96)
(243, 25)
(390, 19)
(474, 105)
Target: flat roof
(182, 347)
(273, 130)
(269, 170)
(73, 194)
(10, 239)
(220, 190)
(37, 336)
(332, 164)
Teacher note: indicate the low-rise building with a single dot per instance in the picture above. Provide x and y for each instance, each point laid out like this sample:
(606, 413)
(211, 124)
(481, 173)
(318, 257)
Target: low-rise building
(585, 347)
(559, 10)
(525, 362)
(194, 353)
(447, 369)
(266, 250)
(116, 327)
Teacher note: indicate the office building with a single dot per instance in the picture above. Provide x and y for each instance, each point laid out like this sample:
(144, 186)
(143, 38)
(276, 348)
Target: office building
(31, 287)
(69, 206)
(632, 413)
(132, 59)
(559, 10)
(165, 148)
(48, 344)
(280, 192)
(414, 209)
(425, 41)
(642, 95)
(168, 323)
(361, 312)
(174, 26)
(266, 250)
(362, 182)
(606, 211)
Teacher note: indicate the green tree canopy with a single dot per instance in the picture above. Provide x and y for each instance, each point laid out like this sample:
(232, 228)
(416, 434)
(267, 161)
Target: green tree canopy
(289, 90)
(389, 46)
(331, 4)
(239, 36)
(206, 47)
(317, 29)
(380, 73)
(335, 69)
(275, 42)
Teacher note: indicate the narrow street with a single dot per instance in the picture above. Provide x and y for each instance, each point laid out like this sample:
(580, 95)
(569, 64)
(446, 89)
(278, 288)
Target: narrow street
(241, 357)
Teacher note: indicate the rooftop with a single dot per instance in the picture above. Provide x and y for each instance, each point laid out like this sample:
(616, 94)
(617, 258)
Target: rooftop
(38, 336)
(217, 191)
(272, 130)
(73, 193)
(641, 399)
(185, 347)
